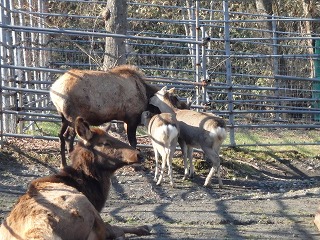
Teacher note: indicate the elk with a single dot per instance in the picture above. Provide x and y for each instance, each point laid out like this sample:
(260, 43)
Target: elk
(197, 130)
(317, 219)
(120, 93)
(164, 131)
(67, 205)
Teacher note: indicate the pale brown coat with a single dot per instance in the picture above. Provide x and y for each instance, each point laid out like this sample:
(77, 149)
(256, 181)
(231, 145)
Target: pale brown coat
(197, 130)
(99, 97)
(164, 131)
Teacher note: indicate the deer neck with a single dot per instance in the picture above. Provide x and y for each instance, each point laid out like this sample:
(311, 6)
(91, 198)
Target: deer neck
(167, 107)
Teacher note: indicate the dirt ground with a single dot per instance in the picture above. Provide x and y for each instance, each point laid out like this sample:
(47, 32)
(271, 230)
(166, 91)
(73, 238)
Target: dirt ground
(265, 196)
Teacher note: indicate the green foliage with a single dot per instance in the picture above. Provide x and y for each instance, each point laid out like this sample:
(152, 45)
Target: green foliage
(257, 137)
(46, 129)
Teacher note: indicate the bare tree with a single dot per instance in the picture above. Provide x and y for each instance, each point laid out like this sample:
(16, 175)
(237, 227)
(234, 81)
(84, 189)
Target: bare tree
(309, 11)
(115, 16)
(265, 7)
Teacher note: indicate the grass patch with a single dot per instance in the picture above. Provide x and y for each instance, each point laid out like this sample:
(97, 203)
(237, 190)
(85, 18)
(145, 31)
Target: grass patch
(305, 141)
(142, 131)
(46, 129)
(257, 139)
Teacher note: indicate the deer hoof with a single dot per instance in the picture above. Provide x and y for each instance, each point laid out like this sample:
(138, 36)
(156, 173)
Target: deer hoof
(207, 184)
(144, 230)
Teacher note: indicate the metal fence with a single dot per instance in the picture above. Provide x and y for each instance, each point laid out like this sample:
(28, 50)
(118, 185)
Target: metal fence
(230, 65)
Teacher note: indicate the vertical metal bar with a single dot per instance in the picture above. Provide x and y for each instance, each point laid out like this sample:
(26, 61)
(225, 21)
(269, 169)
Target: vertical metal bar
(33, 56)
(2, 50)
(5, 60)
(228, 71)
(42, 53)
(204, 66)
(198, 63)
(11, 72)
(275, 60)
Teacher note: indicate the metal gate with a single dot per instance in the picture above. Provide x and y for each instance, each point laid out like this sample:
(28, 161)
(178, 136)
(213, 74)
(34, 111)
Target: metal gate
(225, 60)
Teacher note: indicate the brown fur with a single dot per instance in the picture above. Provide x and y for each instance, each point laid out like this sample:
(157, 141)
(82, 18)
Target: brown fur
(99, 97)
(67, 205)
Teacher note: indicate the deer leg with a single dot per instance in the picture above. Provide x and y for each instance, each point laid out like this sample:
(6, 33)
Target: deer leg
(71, 136)
(164, 155)
(183, 147)
(139, 231)
(156, 157)
(131, 131)
(64, 127)
(190, 157)
(169, 162)
(215, 160)
(116, 232)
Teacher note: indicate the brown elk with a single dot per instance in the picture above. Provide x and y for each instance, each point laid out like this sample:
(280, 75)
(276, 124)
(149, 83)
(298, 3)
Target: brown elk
(197, 130)
(164, 131)
(67, 205)
(99, 97)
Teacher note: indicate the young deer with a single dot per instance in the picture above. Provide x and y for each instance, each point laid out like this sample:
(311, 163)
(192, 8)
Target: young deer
(163, 130)
(197, 130)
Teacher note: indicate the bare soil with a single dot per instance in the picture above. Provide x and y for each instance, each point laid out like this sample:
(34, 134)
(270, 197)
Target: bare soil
(266, 195)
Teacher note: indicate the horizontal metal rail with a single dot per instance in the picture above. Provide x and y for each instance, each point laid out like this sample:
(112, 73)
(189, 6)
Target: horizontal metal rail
(260, 96)
(91, 34)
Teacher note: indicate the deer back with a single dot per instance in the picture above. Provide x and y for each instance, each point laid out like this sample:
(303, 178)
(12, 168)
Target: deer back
(99, 96)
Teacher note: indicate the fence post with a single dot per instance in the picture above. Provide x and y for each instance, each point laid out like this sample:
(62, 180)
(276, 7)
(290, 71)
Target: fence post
(7, 123)
(275, 60)
(316, 84)
(205, 98)
(197, 63)
(2, 50)
(228, 71)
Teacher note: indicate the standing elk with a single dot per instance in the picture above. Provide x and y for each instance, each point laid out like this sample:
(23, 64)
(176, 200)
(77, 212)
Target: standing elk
(99, 97)
(164, 131)
(67, 205)
(197, 130)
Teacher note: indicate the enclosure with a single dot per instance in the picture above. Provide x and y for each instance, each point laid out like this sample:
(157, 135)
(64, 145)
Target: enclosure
(256, 68)
(258, 71)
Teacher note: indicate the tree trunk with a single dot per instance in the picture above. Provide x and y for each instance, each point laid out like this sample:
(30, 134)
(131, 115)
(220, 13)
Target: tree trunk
(308, 11)
(115, 17)
(265, 7)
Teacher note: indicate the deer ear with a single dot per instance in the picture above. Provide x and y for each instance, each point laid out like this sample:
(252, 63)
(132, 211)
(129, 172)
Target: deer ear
(171, 90)
(106, 127)
(189, 102)
(83, 130)
(163, 90)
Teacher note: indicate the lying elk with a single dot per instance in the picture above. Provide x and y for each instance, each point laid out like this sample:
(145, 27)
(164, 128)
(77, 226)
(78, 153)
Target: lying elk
(317, 219)
(164, 131)
(197, 130)
(99, 97)
(67, 205)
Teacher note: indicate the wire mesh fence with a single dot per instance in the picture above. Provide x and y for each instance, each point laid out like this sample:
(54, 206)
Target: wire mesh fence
(257, 71)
